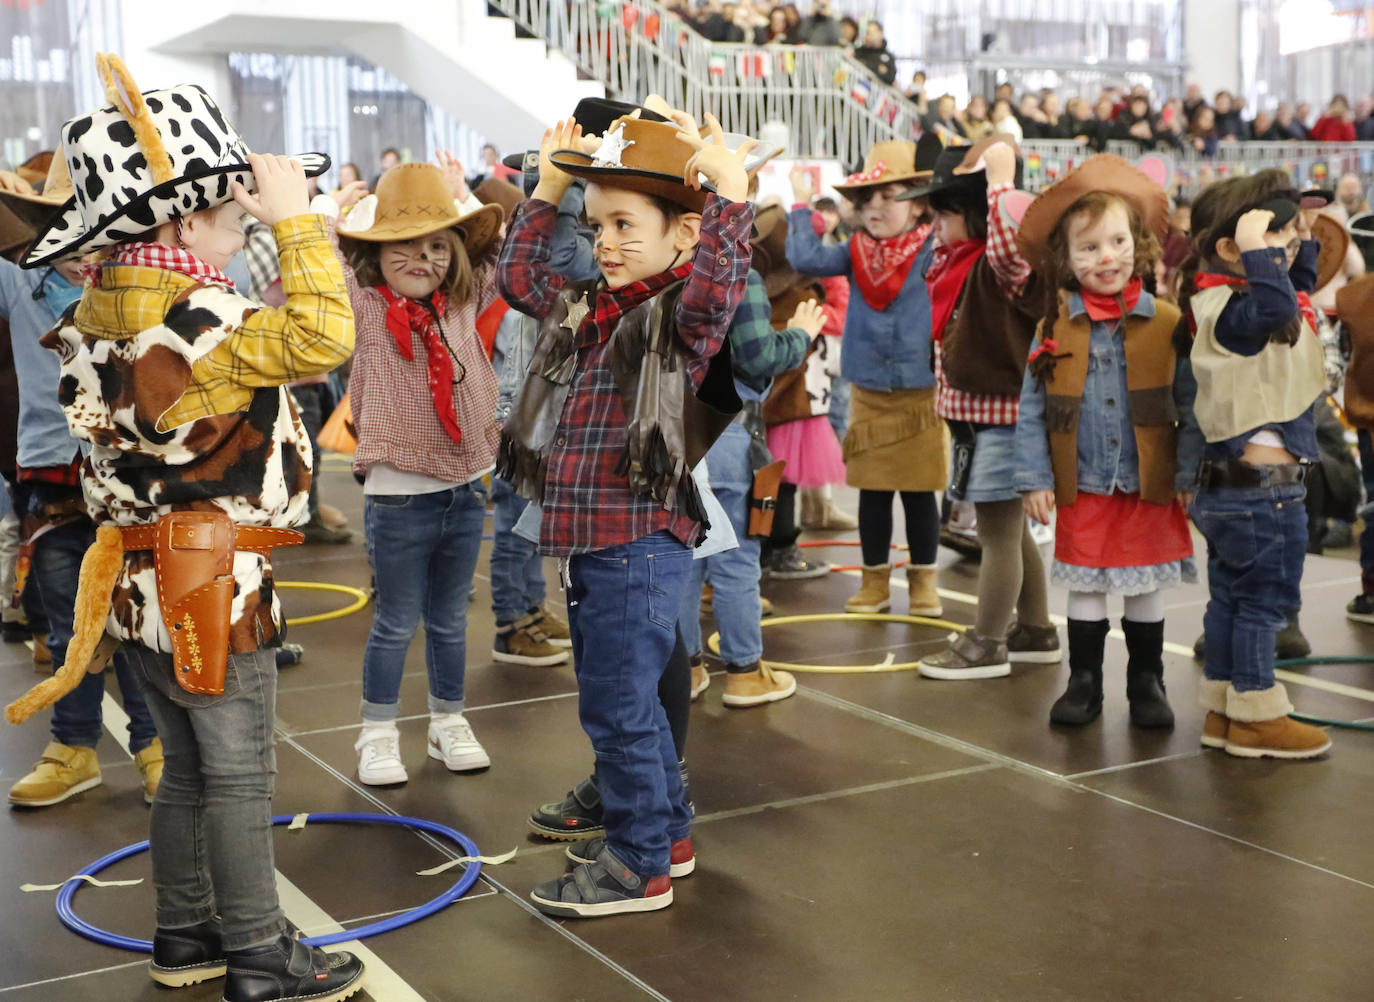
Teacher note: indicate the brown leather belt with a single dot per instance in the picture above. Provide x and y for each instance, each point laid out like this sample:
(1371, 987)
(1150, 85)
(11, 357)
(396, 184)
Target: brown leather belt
(1217, 473)
(254, 538)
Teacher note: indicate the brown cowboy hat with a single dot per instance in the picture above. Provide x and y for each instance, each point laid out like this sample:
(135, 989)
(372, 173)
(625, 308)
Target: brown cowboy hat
(1105, 173)
(1335, 242)
(32, 207)
(769, 242)
(642, 156)
(36, 167)
(502, 193)
(413, 200)
(892, 162)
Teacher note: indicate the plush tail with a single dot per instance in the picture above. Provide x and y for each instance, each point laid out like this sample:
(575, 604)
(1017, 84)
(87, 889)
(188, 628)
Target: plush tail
(99, 568)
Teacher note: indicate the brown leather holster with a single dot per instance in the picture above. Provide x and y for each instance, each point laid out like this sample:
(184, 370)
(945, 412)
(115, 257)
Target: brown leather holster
(763, 500)
(193, 557)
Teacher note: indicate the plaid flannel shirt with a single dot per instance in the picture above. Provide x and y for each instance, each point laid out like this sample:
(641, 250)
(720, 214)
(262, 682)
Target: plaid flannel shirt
(1012, 271)
(757, 351)
(587, 504)
(312, 333)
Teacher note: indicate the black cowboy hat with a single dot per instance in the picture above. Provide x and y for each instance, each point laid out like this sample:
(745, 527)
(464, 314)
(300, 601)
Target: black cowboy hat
(595, 115)
(954, 173)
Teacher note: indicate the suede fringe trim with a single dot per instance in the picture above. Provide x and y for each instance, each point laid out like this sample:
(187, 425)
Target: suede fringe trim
(650, 467)
(1061, 413)
(886, 430)
(525, 469)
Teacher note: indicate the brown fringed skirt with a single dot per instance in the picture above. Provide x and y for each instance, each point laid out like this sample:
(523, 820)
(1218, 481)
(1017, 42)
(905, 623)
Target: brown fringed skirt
(895, 442)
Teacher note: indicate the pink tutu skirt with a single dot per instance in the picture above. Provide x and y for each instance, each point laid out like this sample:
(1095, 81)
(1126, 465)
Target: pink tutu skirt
(811, 451)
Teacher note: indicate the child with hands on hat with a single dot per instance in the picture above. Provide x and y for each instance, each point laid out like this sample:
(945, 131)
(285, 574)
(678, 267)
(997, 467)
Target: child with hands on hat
(983, 300)
(621, 401)
(421, 267)
(198, 465)
(895, 443)
(1097, 434)
(1257, 362)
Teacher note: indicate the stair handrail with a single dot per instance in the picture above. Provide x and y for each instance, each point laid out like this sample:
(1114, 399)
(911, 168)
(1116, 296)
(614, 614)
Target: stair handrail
(831, 104)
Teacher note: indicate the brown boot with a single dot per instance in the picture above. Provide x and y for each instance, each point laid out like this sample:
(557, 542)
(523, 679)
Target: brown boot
(553, 626)
(754, 688)
(42, 657)
(833, 517)
(701, 678)
(63, 770)
(1211, 696)
(524, 643)
(876, 593)
(920, 584)
(812, 508)
(765, 607)
(708, 598)
(1261, 728)
(149, 762)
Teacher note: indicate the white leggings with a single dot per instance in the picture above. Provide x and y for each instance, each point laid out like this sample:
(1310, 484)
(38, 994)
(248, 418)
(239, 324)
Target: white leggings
(1092, 606)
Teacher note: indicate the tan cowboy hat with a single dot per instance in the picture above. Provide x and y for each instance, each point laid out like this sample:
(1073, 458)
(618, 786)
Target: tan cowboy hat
(642, 156)
(36, 167)
(413, 200)
(769, 243)
(502, 193)
(32, 207)
(1105, 173)
(1335, 242)
(893, 161)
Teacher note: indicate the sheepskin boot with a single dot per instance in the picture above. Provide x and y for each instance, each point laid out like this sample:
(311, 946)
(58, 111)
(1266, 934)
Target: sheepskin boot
(1261, 728)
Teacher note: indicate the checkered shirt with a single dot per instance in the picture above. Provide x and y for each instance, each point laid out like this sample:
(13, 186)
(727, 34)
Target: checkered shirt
(588, 504)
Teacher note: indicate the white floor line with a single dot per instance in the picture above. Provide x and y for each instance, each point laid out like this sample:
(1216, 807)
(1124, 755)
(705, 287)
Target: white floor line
(1283, 674)
(423, 716)
(1124, 766)
(71, 977)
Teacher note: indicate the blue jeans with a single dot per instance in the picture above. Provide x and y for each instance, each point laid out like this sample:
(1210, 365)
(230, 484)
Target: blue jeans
(210, 833)
(734, 573)
(76, 717)
(1256, 543)
(424, 553)
(839, 406)
(517, 572)
(623, 604)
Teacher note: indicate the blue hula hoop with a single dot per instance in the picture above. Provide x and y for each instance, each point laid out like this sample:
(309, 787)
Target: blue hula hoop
(471, 872)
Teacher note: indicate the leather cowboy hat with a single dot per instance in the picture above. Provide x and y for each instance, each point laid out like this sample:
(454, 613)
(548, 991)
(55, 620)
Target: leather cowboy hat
(958, 168)
(595, 115)
(1105, 173)
(892, 162)
(35, 168)
(642, 156)
(1335, 242)
(34, 207)
(495, 191)
(413, 200)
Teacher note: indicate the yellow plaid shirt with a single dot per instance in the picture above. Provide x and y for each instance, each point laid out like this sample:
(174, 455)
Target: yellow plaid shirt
(311, 334)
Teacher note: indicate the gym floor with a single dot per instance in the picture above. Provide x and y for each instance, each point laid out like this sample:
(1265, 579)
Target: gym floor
(876, 837)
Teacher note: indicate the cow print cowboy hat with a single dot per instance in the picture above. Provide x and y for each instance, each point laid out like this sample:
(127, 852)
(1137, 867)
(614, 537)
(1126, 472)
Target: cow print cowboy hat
(148, 159)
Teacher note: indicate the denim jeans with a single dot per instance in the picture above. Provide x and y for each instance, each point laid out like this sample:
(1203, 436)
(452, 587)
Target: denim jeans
(517, 572)
(424, 553)
(76, 717)
(838, 414)
(1256, 544)
(623, 604)
(211, 825)
(734, 574)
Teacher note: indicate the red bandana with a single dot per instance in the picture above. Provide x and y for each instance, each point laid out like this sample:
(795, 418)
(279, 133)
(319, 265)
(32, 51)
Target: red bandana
(1211, 279)
(165, 258)
(405, 317)
(612, 304)
(1101, 307)
(945, 280)
(881, 266)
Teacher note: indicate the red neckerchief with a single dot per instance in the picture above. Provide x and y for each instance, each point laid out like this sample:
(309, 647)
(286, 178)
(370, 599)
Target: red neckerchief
(1101, 307)
(405, 317)
(165, 258)
(881, 266)
(1211, 279)
(612, 304)
(945, 280)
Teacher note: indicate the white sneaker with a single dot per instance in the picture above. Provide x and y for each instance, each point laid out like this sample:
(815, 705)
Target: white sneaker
(379, 755)
(452, 742)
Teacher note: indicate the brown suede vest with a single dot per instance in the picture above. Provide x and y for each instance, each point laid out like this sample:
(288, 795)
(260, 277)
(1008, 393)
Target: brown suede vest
(988, 335)
(1150, 362)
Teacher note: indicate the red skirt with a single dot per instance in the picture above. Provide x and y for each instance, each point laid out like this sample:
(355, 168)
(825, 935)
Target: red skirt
(1120, 530)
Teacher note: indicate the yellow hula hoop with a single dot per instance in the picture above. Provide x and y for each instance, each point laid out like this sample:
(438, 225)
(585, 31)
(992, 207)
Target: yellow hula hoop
(888, 665)
(360, 600)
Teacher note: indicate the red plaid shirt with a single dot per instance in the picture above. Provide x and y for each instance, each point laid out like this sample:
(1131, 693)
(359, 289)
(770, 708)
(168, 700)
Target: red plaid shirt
(587, 504)
(166, 258)
(1012, 271)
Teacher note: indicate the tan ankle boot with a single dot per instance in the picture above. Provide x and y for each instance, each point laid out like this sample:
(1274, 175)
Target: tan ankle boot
(812, 508)
(754, 688)
(920, 583)
(834, 517)
(1261, 728)
(876, 594)
(1211, 696)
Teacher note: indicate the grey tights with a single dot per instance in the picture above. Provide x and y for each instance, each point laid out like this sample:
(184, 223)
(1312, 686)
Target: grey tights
(1012, 576)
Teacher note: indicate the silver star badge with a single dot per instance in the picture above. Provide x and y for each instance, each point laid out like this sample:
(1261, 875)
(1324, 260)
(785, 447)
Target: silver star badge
(576, 312)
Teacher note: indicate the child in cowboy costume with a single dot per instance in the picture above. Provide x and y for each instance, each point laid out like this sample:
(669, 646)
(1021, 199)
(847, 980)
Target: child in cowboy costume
(1097, 429)
(198, 467)
(621, 401)
(422, 259)
(895, 443)
(983, 302)
(1258, 365)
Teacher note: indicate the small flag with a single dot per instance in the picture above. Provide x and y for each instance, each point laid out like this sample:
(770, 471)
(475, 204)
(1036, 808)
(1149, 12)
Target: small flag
(753, 65)
(629, 16)
(841, 75)
(716, 64)
(682, 38)
(860, 91)
(651, 26)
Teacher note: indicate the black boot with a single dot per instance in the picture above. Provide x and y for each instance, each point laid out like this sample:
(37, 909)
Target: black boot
(1145, 674)
(1082, 700)
(578, 816)
(287, 969)
(187, 956)
(1289, 642)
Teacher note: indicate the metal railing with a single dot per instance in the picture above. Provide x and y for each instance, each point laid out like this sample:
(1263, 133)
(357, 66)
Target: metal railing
(831, 105)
